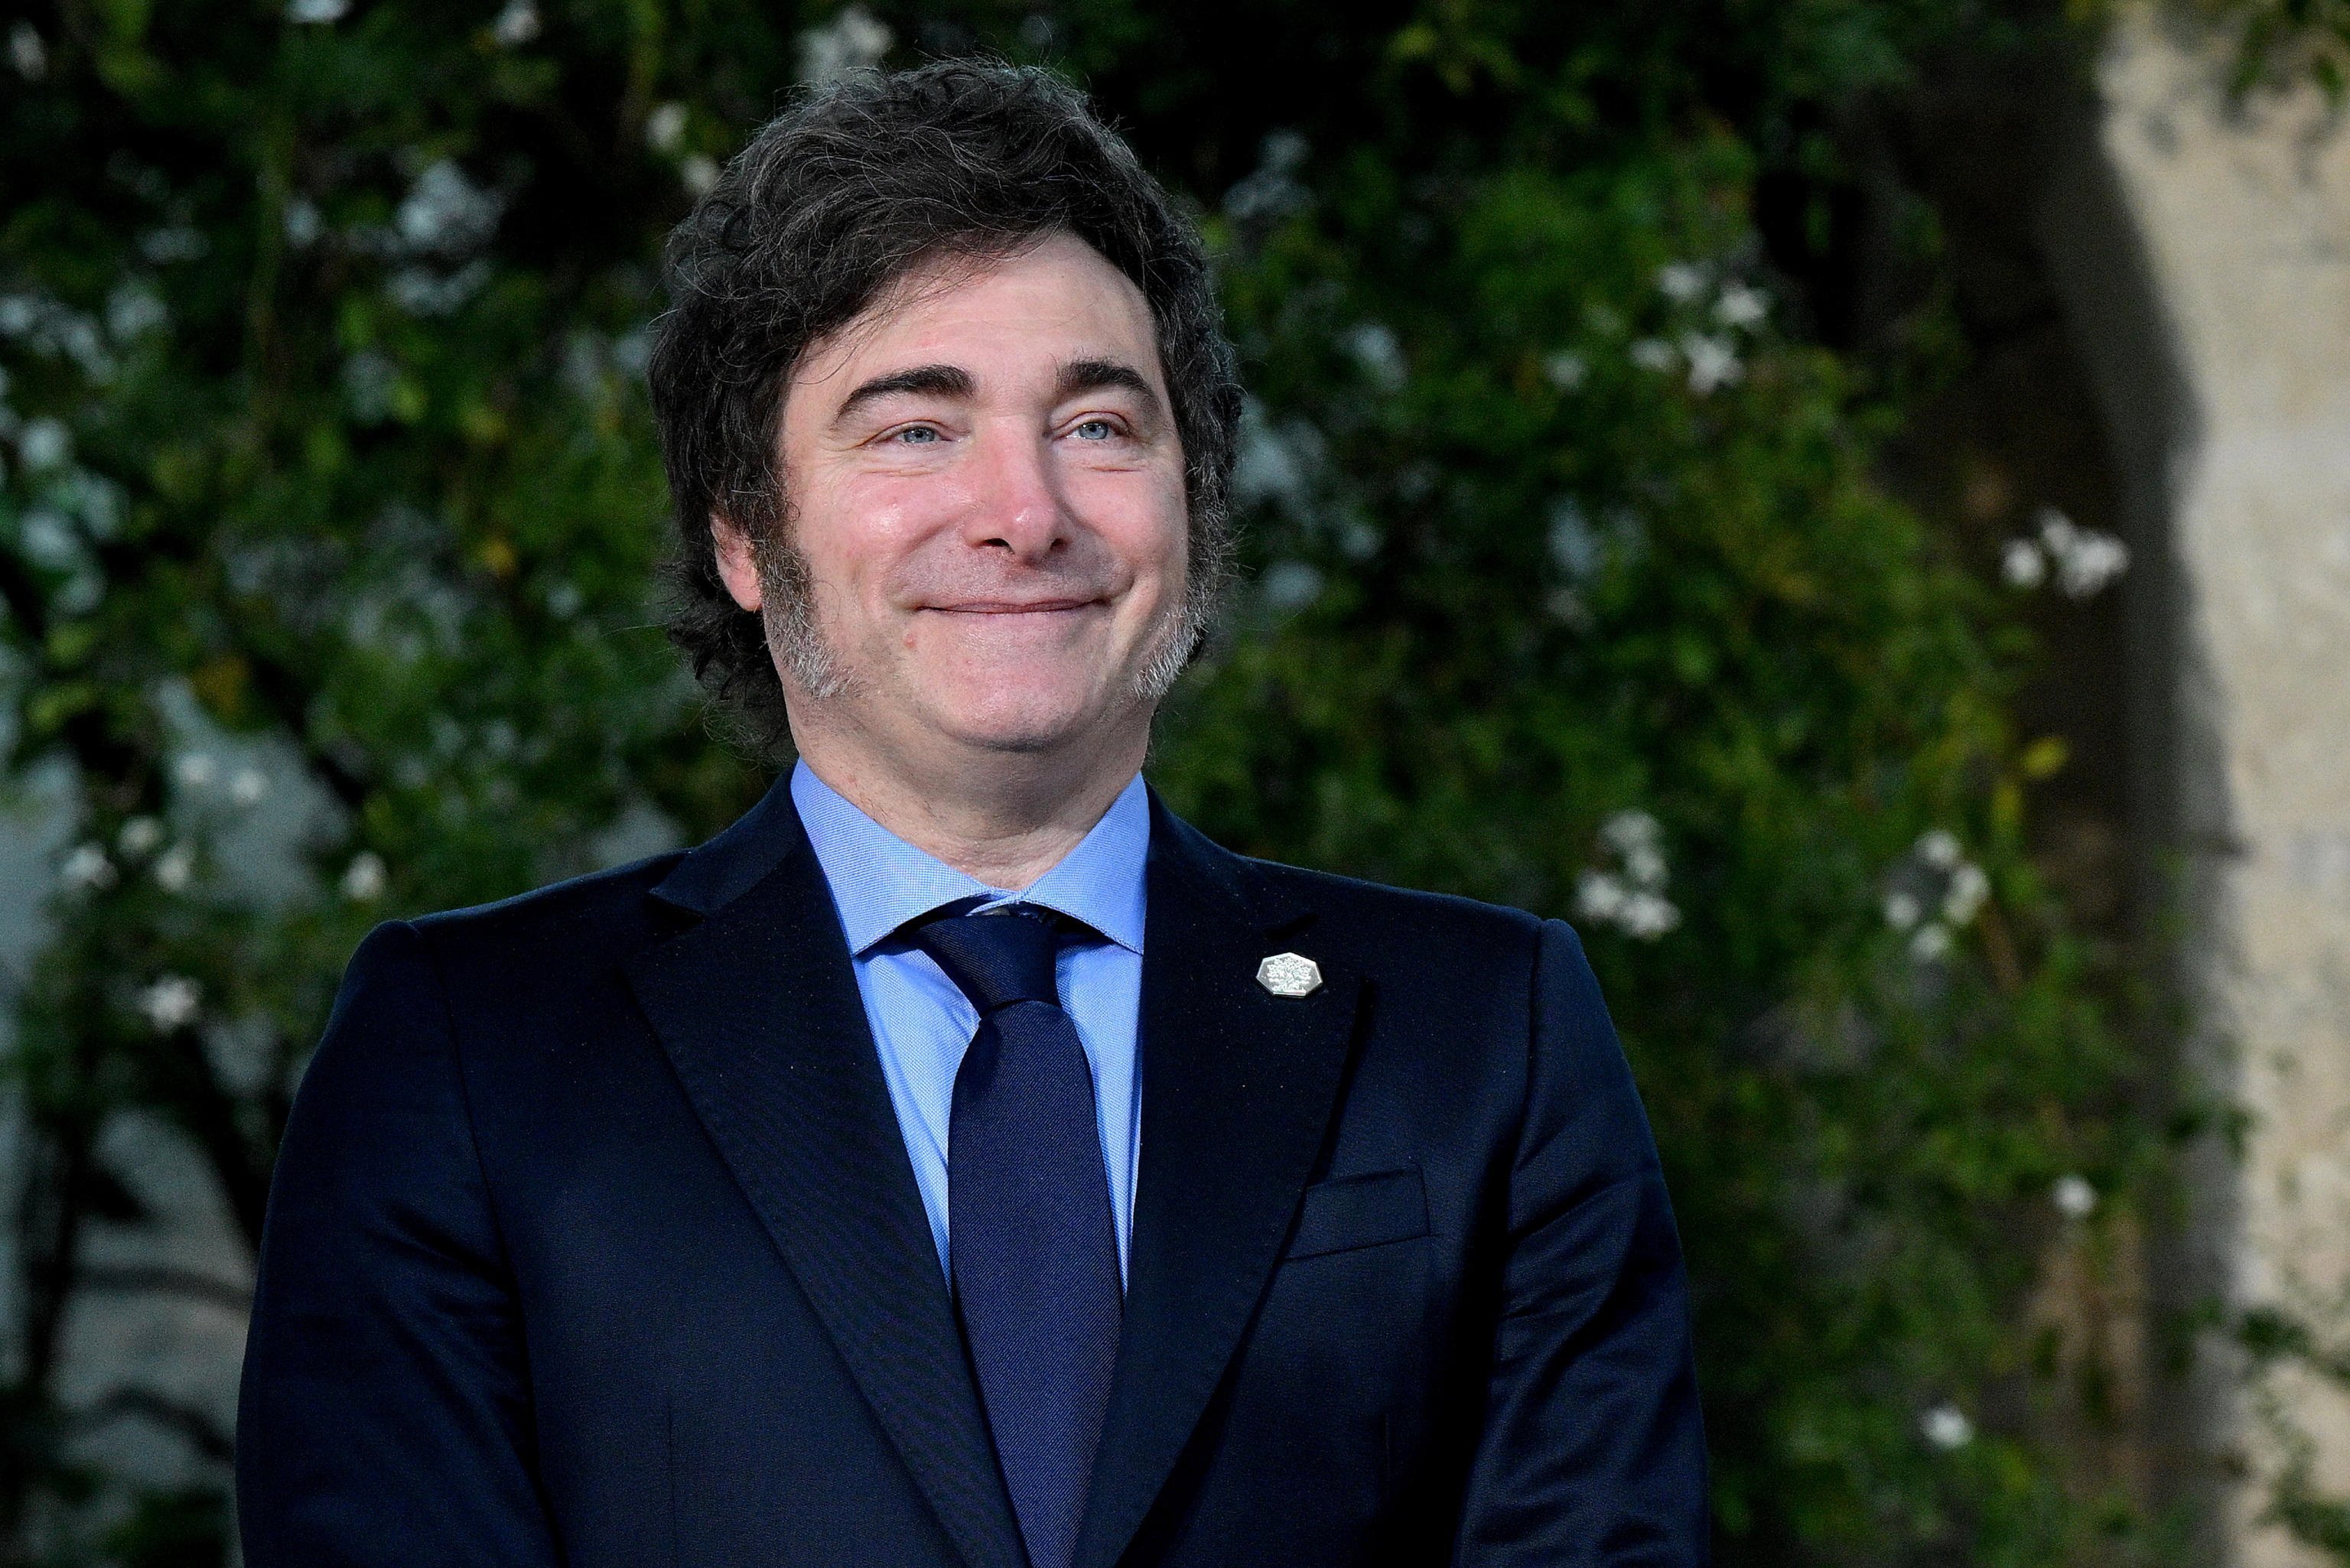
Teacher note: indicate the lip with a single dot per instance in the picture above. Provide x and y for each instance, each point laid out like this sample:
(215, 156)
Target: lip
(1013, 607)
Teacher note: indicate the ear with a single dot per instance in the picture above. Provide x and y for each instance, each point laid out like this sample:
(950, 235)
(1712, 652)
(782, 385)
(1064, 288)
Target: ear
(736, 569)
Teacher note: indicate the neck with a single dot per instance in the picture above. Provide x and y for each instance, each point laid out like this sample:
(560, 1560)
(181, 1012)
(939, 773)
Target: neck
(1004, 818)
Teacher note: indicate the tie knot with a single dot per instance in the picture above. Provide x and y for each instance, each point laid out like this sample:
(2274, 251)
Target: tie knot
(996, 959)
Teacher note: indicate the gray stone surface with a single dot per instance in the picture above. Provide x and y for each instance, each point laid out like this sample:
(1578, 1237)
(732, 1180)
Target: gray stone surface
(2203, 243)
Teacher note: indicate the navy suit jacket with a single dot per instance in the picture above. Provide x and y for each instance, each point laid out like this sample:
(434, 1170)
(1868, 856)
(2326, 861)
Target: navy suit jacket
(594, 1241)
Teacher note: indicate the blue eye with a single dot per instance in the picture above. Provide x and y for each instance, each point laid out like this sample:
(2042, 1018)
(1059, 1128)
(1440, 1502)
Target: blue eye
(917, 435)
(1096, 429)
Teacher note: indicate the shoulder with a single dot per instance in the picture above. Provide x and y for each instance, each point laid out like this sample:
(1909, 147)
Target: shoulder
(603, 915)
(553, 941)
(1404, 930)
(1490, 960)
(1380, 902)
(1458, 969)
(422, 996)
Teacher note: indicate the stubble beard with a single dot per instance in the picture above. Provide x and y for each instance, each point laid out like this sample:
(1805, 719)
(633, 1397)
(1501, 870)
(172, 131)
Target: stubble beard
(1180, 627)
(787, 613)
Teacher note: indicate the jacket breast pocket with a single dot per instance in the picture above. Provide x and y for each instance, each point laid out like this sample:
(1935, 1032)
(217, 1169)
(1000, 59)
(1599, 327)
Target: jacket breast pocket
(1358, 1211)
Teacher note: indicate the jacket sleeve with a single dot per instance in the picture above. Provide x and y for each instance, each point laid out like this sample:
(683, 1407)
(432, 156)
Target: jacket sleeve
(1592, 1452)
(385, 1412)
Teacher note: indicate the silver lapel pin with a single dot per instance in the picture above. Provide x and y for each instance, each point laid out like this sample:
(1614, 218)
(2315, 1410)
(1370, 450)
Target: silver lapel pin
(1289, 974)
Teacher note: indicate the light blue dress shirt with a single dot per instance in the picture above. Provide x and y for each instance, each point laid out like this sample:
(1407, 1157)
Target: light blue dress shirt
(923, 1024)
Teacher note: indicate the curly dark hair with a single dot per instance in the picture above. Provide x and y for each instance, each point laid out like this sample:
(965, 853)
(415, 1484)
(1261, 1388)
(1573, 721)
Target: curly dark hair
(857, 182)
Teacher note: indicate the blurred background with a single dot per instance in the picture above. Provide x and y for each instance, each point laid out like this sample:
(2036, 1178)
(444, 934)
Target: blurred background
(1848, 501)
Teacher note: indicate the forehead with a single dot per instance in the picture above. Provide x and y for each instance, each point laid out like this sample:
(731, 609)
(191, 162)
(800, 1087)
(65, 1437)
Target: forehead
(1047, 303)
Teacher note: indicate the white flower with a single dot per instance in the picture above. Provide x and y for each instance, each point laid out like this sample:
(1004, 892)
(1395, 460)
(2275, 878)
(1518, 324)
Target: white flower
(1712, 362)
(1968, 889)
(248, 785)
(364, 879)
(1634, 902)
(1635, 837)
(2022, 565)
(134, 310)
(195, 769)
(665, 127)
(1741, 307)
(1647, 916)
(173, 243)
(1599, 896)
(1575, 548)
(174, 866)
(2095, 561)
(1376, 349)
(1681, 281)
(421, 291)
(698, 173)
(2073, 1197)
(1652, 354)
(1901, 910)
(2086, 560)
(1628, 831)
(1566, 370)
(171, 1002)
(138, 836)
(44, 444)
(1932, 940)
(27, 53)
(317, 12)
(632, 350)
(851, 41)
(86, 868)
(1938, 848)
(303, 223)
(1271, 191)
(1947, 1427)
(445, 212)
(516, 25)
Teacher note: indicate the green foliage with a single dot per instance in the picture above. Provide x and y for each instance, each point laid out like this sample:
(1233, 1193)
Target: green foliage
(2286, 42)
(1528, 563)
(2289, 1349)
(328, 469)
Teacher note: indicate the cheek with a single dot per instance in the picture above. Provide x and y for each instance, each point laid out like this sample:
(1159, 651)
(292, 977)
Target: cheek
(1141, 516)
(867, 526)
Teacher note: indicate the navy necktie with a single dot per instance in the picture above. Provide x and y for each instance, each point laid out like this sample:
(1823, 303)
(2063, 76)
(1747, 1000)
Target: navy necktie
(1031, 1241)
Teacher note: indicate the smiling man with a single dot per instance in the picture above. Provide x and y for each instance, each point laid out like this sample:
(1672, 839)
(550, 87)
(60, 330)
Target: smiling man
(960, 1159)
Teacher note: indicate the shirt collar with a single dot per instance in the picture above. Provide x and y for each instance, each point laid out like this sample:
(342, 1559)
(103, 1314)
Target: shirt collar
(879, 881)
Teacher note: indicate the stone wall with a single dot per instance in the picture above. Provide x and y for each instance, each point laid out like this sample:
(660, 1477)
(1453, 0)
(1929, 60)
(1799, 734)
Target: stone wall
(2202, 245)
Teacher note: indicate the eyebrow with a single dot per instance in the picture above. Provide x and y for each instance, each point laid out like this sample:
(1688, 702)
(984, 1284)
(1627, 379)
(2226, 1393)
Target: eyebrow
(1095, 375)
(1076, 376)
(928, 381)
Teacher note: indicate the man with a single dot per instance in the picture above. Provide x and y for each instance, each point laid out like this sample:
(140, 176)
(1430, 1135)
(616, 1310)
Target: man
(960, 1159)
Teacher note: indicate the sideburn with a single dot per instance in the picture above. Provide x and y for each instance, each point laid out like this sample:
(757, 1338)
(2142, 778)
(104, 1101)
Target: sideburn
(787, 594)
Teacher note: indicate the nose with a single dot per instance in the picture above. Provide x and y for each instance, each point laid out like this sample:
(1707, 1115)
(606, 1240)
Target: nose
(1019, 506)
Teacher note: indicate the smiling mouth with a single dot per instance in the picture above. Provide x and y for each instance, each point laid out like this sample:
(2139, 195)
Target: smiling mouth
(1003, 607)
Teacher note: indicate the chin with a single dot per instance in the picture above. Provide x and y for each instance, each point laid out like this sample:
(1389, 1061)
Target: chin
(1022, 715)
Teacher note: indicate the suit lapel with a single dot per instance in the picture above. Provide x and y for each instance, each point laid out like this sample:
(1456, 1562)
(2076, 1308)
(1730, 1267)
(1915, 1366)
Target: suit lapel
(758, 1009)
(1239, 1086)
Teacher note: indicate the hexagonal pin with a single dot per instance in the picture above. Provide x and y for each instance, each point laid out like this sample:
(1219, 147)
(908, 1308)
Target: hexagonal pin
(1289, 974)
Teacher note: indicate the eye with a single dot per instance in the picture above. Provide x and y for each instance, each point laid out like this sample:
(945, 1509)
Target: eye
(915, 435)
(1094, 429)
